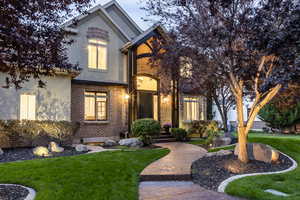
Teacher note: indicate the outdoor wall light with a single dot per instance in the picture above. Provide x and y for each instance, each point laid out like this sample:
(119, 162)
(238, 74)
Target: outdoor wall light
(166, 99)
(126, 96)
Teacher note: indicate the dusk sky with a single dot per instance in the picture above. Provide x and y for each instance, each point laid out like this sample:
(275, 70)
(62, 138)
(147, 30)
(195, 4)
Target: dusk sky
(133, 8)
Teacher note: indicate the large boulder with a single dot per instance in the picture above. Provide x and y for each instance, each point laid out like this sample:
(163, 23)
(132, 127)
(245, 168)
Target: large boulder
(1, 152)
(131, 142)
(261, 152)
(219, 153)
(81, 148)
(41, 151)
(54, 147)
(221, 141)
(110, 143)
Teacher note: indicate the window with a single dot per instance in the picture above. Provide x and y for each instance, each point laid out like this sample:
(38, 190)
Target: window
(97, 53)
(95, 106)
(191, 108)
(27, 107)
(146, 83)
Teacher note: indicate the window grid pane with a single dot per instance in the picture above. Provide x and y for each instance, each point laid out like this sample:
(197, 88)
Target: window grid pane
(191, 108)
(97, 54)
(95, 106)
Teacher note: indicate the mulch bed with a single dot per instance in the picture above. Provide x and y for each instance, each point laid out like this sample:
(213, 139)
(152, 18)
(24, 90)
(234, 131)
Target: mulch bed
(12, 192)
(19, 154)
(209, 172)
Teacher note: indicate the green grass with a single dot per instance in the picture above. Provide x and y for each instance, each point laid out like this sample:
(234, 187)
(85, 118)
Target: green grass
(253, 187)
(106, 175)
(197, 142)
(221, 148)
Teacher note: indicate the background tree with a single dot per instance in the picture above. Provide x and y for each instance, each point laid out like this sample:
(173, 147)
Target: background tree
(252, 45)
(32, 40)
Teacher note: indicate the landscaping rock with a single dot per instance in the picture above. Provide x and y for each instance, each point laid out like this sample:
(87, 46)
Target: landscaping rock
(235, 166)
(41, 151)
(261, 152)
(219, 153)
(54, 147)
(131, 142)
(221, 141)
(81, 148)
(110, 143)
(1, 152)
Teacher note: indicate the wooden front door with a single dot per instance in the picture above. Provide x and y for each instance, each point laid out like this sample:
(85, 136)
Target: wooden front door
(145, 105)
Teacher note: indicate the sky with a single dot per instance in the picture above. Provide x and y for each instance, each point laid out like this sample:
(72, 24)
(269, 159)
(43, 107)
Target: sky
(133, 9)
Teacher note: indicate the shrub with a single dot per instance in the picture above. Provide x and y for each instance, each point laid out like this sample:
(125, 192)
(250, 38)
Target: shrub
(179, 133)
(145, 128)
(29, 132)
(280, 118)
(202, 128)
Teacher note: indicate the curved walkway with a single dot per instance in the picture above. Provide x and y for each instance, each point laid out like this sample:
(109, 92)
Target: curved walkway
(169, 177)
(176, 165)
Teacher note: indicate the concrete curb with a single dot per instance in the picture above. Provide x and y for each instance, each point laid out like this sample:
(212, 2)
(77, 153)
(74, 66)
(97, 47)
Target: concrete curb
(31, 195)
(224, 184)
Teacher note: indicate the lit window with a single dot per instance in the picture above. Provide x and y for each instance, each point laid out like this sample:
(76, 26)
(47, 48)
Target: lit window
(97, 53)
(146, 83)
(27, 107)
(95, 106)
(191, 108)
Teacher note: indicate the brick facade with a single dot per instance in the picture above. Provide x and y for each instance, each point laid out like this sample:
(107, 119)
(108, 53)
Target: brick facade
(117, 112)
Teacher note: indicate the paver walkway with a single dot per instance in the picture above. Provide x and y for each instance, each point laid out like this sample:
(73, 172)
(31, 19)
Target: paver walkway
(175, 166)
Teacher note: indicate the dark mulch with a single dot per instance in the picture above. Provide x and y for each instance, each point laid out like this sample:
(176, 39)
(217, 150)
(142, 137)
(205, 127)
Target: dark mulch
(12, 192)
(18, 154)
(209, 172)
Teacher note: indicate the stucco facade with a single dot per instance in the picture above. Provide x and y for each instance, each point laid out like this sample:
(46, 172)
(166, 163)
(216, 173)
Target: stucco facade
(52, 102)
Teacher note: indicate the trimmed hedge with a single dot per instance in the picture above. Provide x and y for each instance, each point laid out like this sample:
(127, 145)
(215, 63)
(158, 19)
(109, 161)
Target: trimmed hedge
(179, 133)
(15, 133)
(145, 128)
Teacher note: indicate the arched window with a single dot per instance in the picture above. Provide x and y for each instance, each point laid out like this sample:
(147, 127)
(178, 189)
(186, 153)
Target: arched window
(146, 83)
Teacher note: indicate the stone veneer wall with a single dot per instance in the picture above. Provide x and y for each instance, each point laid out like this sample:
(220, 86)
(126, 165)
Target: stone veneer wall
(117, 112)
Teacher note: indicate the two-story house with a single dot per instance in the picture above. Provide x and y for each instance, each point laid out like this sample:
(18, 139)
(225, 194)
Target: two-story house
(116, 84)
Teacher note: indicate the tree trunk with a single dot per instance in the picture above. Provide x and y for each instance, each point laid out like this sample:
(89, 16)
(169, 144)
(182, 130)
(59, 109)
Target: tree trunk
(243, 155)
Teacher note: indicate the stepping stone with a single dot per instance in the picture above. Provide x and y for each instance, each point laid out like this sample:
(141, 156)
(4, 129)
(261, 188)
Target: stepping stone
(277, 193)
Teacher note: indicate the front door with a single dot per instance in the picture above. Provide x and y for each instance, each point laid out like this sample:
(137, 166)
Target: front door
(145, 105)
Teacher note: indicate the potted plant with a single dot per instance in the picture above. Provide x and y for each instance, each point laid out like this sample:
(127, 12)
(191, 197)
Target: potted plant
(167, 127)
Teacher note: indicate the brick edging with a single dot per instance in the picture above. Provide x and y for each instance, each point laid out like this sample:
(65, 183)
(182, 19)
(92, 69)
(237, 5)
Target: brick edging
(225, 183)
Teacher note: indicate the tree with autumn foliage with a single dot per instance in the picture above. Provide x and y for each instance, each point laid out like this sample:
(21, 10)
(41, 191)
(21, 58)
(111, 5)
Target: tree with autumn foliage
(252, 45)
(32, 40)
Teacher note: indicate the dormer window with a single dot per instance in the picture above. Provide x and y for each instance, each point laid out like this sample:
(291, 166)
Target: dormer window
(97, 54)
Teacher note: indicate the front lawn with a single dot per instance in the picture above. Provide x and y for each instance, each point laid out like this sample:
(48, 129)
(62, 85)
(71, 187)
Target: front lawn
(106, 175)
(253, 187)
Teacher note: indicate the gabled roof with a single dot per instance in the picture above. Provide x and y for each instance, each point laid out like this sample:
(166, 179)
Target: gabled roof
(153, 30)
(98, 8)
(115, 3)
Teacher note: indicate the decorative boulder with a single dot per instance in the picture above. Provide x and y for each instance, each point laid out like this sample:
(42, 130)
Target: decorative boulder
(221, 141)
(110, 143)
(219, 153)
(81, 148)
(235, 166)
(131, 142)
(1, 152)
(261, 152)
(54, 147)
(41, 151)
